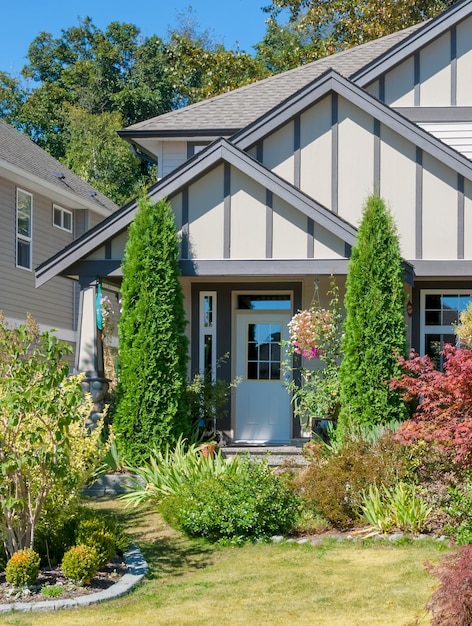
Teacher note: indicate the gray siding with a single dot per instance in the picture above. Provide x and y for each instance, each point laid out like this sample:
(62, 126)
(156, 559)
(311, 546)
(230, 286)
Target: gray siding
(52, 304)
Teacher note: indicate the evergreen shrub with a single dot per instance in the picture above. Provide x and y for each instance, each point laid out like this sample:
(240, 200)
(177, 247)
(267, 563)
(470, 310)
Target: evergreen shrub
(151, 411)
(374, 326)
(80, 564)
(23, 568)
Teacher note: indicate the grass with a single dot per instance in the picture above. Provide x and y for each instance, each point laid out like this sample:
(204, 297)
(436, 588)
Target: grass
(333, 583)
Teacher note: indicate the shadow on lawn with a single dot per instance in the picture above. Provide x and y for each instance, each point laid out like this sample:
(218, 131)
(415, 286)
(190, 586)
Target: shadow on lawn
(166, 551)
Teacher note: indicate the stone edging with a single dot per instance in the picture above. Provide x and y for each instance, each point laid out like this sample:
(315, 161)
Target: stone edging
(137, 569)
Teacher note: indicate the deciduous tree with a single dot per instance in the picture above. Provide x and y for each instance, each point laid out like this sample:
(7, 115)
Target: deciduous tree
(339, 24)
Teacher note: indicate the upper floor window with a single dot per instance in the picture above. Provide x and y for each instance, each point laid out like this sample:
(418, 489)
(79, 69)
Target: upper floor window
(24, 228)
(62, 218)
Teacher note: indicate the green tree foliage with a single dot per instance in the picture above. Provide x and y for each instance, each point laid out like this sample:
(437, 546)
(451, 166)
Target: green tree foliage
(151, 411)
(328, 27)
(374, 327)
(44, 444)
(95, 152)
(284, 47)
(88, 83)
(12, 95)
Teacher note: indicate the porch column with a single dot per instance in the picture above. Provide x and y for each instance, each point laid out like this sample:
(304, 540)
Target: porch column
(89, 350)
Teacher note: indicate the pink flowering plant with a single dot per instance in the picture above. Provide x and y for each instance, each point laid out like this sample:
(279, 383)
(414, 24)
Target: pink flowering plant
(311, 332)
(315, 334)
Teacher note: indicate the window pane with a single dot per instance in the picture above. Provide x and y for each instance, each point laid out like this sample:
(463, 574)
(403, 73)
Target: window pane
(208, 311)
(275, 371)
(23, 254)
(265, 302)
(433, 318)
(57, 217)
(264, 370)
(24, 214)
(252, 370)
(263, 350)
(433, 301)
(252, 351)
(67, 220)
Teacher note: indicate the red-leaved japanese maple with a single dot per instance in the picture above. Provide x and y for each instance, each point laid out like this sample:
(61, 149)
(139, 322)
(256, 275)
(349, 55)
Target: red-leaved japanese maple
(443, 415)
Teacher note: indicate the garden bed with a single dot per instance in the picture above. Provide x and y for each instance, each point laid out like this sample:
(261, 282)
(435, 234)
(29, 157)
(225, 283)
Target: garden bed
(52, 584)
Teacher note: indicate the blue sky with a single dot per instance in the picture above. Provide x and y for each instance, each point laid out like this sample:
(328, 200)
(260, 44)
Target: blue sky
(230, 21)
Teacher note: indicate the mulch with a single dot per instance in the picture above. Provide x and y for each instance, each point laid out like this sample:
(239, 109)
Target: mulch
(53, 576)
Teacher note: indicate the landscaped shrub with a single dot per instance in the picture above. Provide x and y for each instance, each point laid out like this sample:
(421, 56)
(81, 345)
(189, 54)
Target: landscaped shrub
(334, 481)
(23, 568)
(151, 411)
(80, 564)
(443, 415)
(451, 603)
(459, 510)
(374, 326)
(400, 507)
(171, 471)
(46, 451)
(252, 503)
(57, 533)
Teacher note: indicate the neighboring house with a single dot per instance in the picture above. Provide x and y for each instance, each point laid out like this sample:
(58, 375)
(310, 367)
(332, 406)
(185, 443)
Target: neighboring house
(43, 207)
(268, 183)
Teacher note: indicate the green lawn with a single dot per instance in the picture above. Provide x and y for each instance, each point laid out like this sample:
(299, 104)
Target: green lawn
(278, 584)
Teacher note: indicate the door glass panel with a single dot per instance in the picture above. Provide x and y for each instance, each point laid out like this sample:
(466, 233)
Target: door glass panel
(266, 302)
(263, 351)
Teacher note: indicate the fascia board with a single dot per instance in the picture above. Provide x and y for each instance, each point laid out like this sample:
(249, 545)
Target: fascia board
(217, 152)
(431, 30)
(46, 188)
(334, 82)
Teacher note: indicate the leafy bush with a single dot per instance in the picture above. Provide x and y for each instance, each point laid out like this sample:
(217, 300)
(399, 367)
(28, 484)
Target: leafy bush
(46, 452)
(451, 603)
(400, 507)
(23, 568)
(252, 503)
(52, 591)
(80, 564)
(443, 415)
(57, 533)
(460, 513)
(337, 476)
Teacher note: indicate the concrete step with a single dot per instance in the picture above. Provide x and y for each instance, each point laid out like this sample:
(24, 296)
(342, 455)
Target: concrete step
(275, 455)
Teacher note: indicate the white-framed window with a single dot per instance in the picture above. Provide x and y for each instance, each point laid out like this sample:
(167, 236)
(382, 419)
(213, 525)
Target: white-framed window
(207, 347)
(24, 229)
(440, 310)
(62, 218)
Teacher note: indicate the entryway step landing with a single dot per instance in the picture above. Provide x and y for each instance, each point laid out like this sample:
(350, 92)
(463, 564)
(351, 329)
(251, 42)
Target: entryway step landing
(275, 455)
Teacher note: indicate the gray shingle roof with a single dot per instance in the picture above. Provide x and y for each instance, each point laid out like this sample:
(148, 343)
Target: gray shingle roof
(236, 109)
(19, 151)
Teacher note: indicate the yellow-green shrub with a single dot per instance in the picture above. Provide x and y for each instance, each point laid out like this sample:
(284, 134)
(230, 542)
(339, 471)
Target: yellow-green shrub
(80, 564)
(23, 568)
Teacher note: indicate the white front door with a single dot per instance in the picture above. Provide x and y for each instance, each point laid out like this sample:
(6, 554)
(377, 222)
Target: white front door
(262, 401)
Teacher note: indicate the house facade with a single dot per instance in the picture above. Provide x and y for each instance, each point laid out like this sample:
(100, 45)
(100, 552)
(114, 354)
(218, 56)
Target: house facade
(267, 184)
(43, 207)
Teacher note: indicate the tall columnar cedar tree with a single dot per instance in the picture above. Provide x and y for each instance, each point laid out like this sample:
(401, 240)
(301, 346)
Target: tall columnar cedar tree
(151, 411)
(374, 327)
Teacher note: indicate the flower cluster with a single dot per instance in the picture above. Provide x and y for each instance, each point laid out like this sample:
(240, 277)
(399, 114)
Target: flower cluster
(310, 331)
